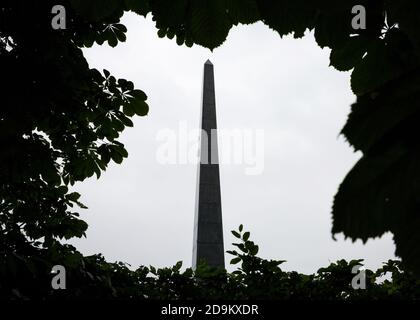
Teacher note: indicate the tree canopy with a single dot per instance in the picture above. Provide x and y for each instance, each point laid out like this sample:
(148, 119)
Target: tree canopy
(91, 277)
(60, 120)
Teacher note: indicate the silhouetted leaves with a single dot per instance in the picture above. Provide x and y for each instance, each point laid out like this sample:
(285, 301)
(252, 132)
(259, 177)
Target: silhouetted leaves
(242, 11)
(140, 7)
(405, 14)
(209, 23)
(60, 120)
(349, 55)
(333, 23)
(286, 16)
(236, 234)
(377, 68)
(235, 260)
(24, 276)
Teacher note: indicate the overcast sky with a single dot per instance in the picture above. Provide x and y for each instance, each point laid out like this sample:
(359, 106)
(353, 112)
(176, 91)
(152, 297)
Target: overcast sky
(142, 212)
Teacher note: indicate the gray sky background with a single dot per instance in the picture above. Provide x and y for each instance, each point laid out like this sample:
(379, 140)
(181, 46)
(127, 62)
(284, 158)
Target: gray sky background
(142, 212)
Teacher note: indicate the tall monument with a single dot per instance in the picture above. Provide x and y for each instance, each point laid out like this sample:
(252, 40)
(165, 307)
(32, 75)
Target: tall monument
(208, 227)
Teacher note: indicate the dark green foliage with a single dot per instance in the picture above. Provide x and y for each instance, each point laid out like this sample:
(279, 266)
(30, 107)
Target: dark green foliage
(381, 192)
(60, 121)
(23, 277)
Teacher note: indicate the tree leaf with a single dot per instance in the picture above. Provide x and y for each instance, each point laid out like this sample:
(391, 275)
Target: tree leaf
(235, 260)
(96, 10)
(140, 7)
(288, 16)
(349, 55)
(242, 11)
(209, 23)
(376, 69)
(236, 234)
(140, 107)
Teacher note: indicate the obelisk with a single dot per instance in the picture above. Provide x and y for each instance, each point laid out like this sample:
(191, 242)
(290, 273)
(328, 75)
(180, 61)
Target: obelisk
(208, 227)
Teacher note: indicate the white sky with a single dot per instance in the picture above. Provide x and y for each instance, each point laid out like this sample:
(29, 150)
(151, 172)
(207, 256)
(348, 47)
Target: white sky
(142, 212)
